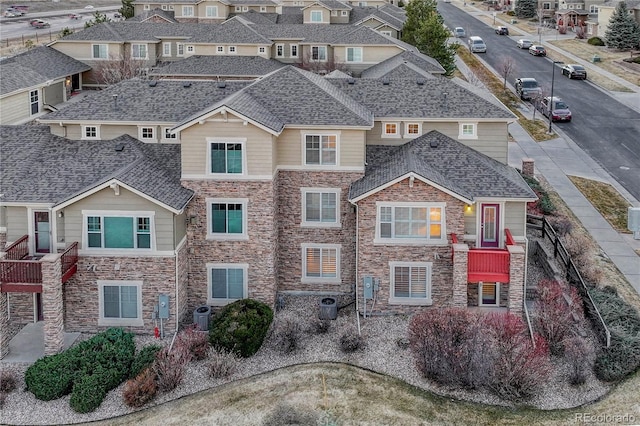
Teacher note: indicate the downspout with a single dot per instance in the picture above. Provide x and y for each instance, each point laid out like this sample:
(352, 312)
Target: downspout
(176, 269)
(357, 279)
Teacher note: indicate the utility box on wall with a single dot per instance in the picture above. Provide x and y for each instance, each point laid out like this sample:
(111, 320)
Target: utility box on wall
(163, 306)
(367, 285)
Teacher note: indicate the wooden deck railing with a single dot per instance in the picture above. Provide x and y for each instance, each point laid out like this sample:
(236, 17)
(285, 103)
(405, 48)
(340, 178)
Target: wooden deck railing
(488, 265)
(69, 260)
(19, 249)
(21, 271)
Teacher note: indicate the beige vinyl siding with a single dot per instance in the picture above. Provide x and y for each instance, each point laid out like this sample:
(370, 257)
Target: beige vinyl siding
(351, 147)
(370, 54)
(17, 223)
(287, 58)
(491, 141)
(515, 217)
(82, 50)
(326, 15)
(470, 220)
(14, 109)
(241, 49)
(107, 131)
(393, 31)
(60, 231)
(340, 19)
(105, 201)
(179, 227)
(54, 94)
(201, 11)
(258, 145)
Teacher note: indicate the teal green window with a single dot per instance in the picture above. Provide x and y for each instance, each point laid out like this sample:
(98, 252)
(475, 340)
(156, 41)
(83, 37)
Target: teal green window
(226, 218)
(119, 232)
(226, 158)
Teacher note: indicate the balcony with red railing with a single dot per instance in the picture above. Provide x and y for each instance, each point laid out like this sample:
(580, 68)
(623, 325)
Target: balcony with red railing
(19, 273)
(488, 265)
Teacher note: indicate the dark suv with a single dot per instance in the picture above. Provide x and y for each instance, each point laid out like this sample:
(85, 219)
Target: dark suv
(502, 30)
(527, 88)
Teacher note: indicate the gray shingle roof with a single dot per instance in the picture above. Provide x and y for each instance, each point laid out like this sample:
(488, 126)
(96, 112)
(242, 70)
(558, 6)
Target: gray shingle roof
(167, 15)
(50, 169)
(167, 102)
(409, 59)
(438, 97)
(256, 17)
(450, 164)
(329, 34)
(383, 14)
(212, 66)
(334, 4)
(36, 66)
(251, 3)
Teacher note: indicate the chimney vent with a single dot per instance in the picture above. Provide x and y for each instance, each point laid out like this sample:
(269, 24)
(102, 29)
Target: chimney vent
(433, 144)
(385, 81)
(153, 83)
(351, 80)
(222, 84)
(186, 84)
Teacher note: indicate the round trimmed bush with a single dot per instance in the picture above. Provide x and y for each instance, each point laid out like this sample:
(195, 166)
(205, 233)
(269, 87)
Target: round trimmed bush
(595, 41)
(50, 377)
(241, 327)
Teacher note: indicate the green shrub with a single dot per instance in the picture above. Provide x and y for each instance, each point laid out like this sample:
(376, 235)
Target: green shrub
(241, 327)
(88, 393)
(144, 358)
(50, 377)
(595, 41)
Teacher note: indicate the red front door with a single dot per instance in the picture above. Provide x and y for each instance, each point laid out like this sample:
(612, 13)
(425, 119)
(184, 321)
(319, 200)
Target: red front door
(490, 226)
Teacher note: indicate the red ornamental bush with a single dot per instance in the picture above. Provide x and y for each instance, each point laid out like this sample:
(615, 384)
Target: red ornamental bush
(169, 367)
(141, 390)
(195, 342)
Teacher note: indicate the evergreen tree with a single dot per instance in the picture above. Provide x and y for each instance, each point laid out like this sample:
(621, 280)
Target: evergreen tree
(425, 30)
(127, 9)
(526, 8)
(623, 31)
(98, 18)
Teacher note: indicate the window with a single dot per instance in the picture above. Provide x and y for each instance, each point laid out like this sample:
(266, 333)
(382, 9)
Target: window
(362, 3)
(406, 223)
(100, 51)
(294, 50)
(146, 7)
(233, 50)
(139, 51)
(187, 11)
(321, 149)
(593, 9)
(219, 49)
(227, 282)
(190, 49)
(166, 49)
(387, 33)
(546, 6)
(211, 11)
(226, 157)
(344, 13)
(238, 8)
(390, 130)
(412, 129)
(146, 133)
(118, 231)
(227, 218)
(354, 54)
(279, 50)
(319, 53)
(180, 49)
(164, 7)
(320, 263)
(488, 294)
(468, 131)
(245, 8)
(262, 50)
(410, 283)
(316, 16)
(169, 135)
(320, 207)
(120, 303)
(34, 102)
(263, 9)
(90, 132)
(170, 7)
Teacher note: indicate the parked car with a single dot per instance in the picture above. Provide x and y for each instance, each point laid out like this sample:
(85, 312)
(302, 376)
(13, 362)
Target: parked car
(75, 16)
(502, 30)
(527, 88)
(38, 23)
(8, 14)
(524, 43)
(117, 15)
(558, 112)
(476, 44)
(88, 6)
(459, 32)
(537, 50)
(15, 12)
(574, 71)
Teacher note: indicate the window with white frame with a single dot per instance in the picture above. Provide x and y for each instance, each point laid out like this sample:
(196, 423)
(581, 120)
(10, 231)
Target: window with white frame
(139, 51)
(319, 53)
(316, 16)
(468, 131)
(180, 49)
(390, 130)
(90, 132)
(344, 13)
(146, 7)
(34, 101)
(410, 283)
(187, 11)
(321, 149)
(219, 49)
(211, 11)
(238, 8)
(593, 9)
(320, 263)
(279, 50)
(120, 303)
(263, 9)
(165, 7)
(385, 32)
(227, 218)
(147, 133)
(294, 50)
(118, 230)
(168, 134)
(488, 294)
(232, 50)
(226, 156)
(227, 282)
(546, 6)
(362, 3)
(166, 49)
(412, 129)
(262, 50)
(354, 54)
(191, 49)
(99, 51)
(170, 7)
(410, 223)
(320, 207)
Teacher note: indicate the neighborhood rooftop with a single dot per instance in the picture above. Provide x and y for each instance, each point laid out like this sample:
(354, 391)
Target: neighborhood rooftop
(213, 66)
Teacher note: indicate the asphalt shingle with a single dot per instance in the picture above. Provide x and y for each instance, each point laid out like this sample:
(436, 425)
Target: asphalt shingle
(212, 66)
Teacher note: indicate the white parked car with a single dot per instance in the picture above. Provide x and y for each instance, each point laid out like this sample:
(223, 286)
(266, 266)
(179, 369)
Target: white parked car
(524, 43)
(459, 32)
(88, 6)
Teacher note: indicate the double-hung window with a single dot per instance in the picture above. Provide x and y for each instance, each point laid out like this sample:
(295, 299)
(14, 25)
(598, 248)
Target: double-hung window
(227, 282)
(139, 51)
(294, 50)
(321, 149)
(319, 53)
(321, 263)
(226, 157)
(34, 102)
(211, 11)
(118, 231)
(320, 207)
(279, 50)
(410, 283)
(227, 218)
(411, 223)
(232, 50)
(100, 51)
(120, 303)
(180, 49)
(344, 13)
(187, 11)
(316, 16)
(354, 54)
(166, 49)
(220, 49)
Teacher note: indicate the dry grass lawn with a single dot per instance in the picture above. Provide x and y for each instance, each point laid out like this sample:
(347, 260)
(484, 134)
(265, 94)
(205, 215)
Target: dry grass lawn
(604, 197)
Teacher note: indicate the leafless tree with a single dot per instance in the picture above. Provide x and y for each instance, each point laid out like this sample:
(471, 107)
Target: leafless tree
(506, 67)
(313, 65)
(117, 69)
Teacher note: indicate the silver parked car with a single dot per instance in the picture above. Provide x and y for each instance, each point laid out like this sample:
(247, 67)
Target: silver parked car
(459, 32)
(524, 43)
(527, 88)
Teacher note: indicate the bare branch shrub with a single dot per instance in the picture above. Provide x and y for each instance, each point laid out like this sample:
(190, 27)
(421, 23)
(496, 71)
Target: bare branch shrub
(170, 367)
(140, 390)
(222, 363)
(579, 354)
(196, 342)
(351, 341)
(506, 67)
(7, 385)
(319, 326)
(582, 250)
(286, 333)
(117, 69)
(318, 67)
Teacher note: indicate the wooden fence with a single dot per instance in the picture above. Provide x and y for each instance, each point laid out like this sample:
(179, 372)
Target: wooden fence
(572, 275)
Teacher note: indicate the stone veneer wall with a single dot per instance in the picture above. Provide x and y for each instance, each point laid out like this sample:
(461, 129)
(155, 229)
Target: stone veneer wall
(81, 292)
(291, 235)
(52, 304)
(259, 251)
(3, 241)
(21, 307)
(374, 259)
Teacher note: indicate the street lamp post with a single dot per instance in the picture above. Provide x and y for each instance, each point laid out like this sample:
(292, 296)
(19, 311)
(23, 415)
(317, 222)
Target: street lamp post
(553, 73)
